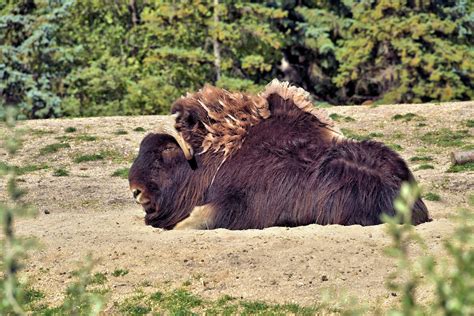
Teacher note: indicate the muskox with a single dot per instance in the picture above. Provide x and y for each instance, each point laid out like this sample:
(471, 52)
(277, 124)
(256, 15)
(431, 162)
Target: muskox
(238, 161)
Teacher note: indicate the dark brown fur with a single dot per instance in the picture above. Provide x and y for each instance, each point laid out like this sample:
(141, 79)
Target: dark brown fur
(287, 170)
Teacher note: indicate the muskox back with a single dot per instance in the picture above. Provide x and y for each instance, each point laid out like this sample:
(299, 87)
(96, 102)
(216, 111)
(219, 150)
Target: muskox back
(288, 175)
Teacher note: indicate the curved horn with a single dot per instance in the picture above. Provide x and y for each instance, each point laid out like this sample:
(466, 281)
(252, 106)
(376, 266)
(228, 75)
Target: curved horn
(167, 127)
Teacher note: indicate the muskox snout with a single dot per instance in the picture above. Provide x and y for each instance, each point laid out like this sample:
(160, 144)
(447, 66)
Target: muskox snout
(139, 196)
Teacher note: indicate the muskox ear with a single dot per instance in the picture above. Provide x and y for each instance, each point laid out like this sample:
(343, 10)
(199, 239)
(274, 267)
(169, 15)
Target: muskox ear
(189, 121)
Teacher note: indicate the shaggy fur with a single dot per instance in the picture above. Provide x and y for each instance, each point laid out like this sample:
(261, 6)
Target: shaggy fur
(261, 164)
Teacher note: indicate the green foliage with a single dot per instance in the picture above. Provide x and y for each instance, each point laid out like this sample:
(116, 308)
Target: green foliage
(393, 51)
(430, 196)
(52, 148)
(421, 158)
(12, 249)
(60, 172)
(87, 158)
(70, 129)
(90, 57)
(451, 278)
(424, 166)
(445, 137)
(468, 166)
(122, 173)
(119, 272)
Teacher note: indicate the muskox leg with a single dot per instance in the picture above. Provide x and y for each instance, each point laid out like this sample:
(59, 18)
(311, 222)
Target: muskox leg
(200, 218)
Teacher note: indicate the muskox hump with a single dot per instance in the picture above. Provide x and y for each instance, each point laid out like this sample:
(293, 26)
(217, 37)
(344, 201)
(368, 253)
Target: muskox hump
(358, 181)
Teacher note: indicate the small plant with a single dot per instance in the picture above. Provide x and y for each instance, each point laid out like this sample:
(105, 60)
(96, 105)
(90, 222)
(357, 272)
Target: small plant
(120, 132)
(139, 129)
(60, 172)
(122, 173)
(395, 147)
(12, 250)
(424, 166)
(29, 168)
(407, 117)
(421, 158)
(338, 118)
(87, 158)
(430, 196)
(469, 166)
(445, 137)
(119, 272)
(350, 134)
(98, 278)
(52, 148)
(452, 278)
(70, 129)
(86, 138)
(470, 123)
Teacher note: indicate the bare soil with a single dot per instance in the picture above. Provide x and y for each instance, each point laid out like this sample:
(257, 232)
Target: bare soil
(91, 211)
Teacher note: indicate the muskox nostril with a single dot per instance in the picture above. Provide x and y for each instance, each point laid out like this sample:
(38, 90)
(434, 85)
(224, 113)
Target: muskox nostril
(136, 193)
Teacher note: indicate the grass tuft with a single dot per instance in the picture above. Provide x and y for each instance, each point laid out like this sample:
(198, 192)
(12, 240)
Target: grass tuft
(445, 137)
(139, 129)
(60, 172)
(430, 196)
(52, 148)
(421, 158)
(91, 157)
(339, 118)
(120, 132)
(469, 166)
(70, 129)
(425, 166)
(407, 117)
(119, 272)
(122, 173)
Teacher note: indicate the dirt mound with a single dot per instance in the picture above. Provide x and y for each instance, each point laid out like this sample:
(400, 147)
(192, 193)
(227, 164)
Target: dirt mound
(85, 207)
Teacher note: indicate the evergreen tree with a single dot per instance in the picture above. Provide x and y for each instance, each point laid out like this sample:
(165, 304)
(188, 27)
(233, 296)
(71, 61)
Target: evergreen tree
(30, 60)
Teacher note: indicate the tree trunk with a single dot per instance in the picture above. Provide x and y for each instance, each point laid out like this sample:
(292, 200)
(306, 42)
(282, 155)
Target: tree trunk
(460, 157)
(215, 42)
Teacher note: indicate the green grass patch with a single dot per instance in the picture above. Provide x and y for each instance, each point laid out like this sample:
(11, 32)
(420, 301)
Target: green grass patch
(86, 138)
(470, 123)
(139, 129)
(445, 137)
(407, 117)
(119, 272)
(395, 147)
(376, 134)
(40, 132)
(351, 134)
(60, 172)
(341, 118)
(468, 147)
(120, 132)
(99, 278)
(421, 158)
(31, 295)
(424, 166)
(52, 148)
(469, 166)
(30, 168)
(122, 173)
(70, 129)
(430, 196)
(87, 158)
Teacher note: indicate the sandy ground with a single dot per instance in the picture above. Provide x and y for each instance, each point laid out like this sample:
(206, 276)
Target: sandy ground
(90, 211)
